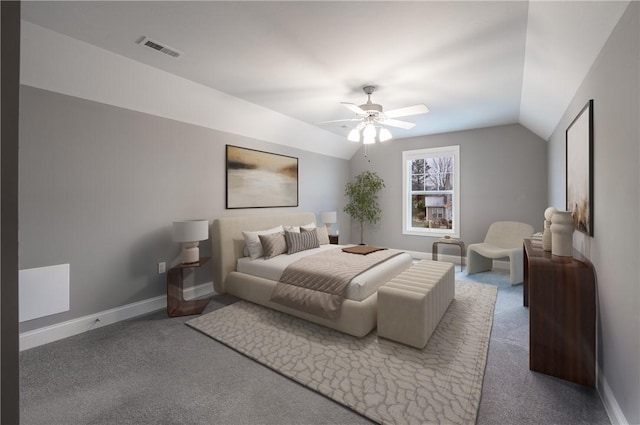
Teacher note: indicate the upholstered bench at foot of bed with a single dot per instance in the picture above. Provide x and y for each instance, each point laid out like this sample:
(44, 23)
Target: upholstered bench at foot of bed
(411, 305)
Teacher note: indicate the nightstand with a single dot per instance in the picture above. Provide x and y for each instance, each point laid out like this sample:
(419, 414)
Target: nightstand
(333, 239)
(176, 304)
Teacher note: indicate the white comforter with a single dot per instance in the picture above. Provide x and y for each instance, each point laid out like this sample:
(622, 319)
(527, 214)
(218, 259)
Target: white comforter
(360, 288)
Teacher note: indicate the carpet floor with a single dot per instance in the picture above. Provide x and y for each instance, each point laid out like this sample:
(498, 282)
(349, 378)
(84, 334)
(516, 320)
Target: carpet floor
(387, 382)
(155, 370)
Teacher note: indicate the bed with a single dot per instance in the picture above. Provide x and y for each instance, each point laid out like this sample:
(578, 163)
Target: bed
(358, 315)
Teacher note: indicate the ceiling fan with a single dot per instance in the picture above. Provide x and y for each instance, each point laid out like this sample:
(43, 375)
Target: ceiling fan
(371, 117)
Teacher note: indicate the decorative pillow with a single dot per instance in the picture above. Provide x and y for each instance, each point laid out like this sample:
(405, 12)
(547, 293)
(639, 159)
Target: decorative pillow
(323, 235)
(253, 241)
(297, 229)
(309, 226)
(273, 244)
(297, 242)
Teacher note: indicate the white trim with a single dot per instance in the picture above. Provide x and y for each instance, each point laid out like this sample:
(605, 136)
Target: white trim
(79, 325)
(406, 212)
(609, 401)
(441, 257)
(204, 289)
(500, 265)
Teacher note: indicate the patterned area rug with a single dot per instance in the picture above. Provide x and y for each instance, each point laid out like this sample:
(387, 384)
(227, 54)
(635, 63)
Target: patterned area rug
(385, 381)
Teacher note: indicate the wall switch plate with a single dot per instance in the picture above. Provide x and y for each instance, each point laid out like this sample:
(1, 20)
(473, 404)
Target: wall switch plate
(162, 267)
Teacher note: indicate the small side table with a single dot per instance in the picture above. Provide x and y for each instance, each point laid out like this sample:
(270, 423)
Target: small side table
(458, 242)
(333, 239)
(176, 304)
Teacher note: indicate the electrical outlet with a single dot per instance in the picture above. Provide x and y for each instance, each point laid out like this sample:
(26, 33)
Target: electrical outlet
(162, 267)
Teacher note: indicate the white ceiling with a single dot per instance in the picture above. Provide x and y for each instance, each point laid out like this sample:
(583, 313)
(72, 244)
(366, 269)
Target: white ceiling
(475, 64)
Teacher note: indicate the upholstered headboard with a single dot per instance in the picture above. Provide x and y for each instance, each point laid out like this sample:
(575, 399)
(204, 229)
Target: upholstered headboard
(227, 242)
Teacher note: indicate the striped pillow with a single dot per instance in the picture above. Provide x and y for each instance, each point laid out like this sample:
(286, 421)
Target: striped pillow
(297, 242)
(273, 244)
(253, 242)
(321, 233)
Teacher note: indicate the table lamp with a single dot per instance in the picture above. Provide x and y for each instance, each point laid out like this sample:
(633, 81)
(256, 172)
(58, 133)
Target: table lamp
(190, 232)
(328, 218)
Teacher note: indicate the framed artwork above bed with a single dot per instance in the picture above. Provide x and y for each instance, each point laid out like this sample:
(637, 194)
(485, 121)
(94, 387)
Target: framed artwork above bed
(257, 179)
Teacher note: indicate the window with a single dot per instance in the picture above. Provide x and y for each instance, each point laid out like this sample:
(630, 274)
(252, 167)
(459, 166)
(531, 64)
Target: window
(430, 192)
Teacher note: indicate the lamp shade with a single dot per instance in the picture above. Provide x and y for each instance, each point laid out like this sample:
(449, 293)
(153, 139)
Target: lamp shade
(354, 135)
(369, 131)
(328, 217)
(385, 135)
(190, 230)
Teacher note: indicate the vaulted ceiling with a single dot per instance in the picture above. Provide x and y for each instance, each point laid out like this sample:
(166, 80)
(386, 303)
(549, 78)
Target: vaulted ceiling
(475, 64)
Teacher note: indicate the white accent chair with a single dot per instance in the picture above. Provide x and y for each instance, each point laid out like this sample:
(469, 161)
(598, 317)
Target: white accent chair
(503, 239)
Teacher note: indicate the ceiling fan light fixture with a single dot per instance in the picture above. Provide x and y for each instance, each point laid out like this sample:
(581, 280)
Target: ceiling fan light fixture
(372, 117)
(384, 135)
(354, 135)
(369, 132)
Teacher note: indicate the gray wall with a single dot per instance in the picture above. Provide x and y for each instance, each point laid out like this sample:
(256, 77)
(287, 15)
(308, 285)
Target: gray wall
(614, 84)
(100, 186)
(502, 177)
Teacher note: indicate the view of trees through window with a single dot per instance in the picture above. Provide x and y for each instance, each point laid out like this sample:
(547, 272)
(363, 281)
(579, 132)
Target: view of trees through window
(432, 192)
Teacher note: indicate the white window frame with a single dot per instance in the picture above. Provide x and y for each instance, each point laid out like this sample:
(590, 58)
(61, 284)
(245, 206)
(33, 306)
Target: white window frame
(407, 157)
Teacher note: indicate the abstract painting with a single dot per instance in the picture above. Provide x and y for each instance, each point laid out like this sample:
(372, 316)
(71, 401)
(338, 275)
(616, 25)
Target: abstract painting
(580, 169)
(257, 179)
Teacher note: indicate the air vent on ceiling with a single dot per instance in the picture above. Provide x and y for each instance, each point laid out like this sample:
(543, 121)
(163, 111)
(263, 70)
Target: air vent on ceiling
(163, 48)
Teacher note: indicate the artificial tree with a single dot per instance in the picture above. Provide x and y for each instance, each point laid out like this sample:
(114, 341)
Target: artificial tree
(363, 199)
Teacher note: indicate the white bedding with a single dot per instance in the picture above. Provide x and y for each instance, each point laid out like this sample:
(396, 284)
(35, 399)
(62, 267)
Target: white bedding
(360, 288)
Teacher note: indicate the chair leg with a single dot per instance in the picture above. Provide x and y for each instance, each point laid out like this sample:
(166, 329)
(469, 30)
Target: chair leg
(516, 267)
(477, 263)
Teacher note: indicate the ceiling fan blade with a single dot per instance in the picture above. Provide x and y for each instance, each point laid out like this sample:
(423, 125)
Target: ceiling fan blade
(397, 123)
(353, 107)
(330, 121)
(407, 111)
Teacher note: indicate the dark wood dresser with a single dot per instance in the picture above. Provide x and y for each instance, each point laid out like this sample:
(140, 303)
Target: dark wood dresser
(561, 295)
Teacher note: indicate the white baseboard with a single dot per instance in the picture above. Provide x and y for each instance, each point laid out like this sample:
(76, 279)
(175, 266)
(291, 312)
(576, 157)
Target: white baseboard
(501, 265)
(77, 326)
(199, 291)
(455, 259)
(441, 257)
(609, 401)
